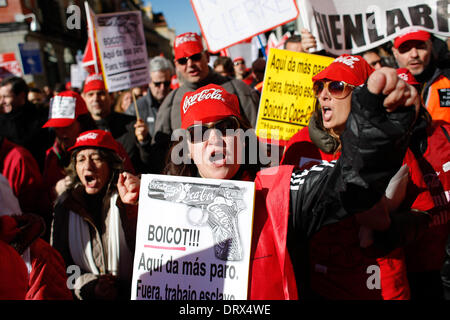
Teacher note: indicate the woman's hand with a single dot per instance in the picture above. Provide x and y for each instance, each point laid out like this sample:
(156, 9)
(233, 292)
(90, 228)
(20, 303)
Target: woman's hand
(128, 187)
(398, 93)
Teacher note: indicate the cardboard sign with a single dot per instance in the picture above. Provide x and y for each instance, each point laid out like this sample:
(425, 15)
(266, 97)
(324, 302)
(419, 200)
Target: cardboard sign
(193, 239)
(287, 99)
(225, 23)
(348, 26)
(62, 107)
(123, 51)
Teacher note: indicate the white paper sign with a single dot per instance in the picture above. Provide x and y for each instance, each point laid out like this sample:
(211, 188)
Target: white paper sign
(62, 107)
(193, 239)
(225, 23)
(349, 26)
(123, 50)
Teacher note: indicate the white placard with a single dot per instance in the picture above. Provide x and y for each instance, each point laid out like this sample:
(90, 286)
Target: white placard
(62, 107)
(225, 23)
(193, 239)
(349, 26)
(123, 50)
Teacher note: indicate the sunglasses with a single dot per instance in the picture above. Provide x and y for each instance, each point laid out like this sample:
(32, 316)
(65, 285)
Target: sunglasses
(237, 63)
(197, 132)
(337, 89)
(196, 57)
(158, 84)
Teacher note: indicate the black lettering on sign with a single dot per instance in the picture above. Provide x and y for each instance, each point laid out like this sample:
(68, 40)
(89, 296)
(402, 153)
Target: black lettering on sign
(335, 31)
(394, 19)
(373, 34)
(353, 31)
(442, 15)
(421, 16)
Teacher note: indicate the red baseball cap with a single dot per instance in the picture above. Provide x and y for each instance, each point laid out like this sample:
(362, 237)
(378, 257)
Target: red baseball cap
(65, 108)
(411, 33)
(353, 70)
(94, 82)
(238, 59)
(96, 139)
(407, 76)
(208, 104)
(187, 44)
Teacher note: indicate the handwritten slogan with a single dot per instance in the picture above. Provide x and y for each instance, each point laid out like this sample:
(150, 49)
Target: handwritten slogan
(287, 100)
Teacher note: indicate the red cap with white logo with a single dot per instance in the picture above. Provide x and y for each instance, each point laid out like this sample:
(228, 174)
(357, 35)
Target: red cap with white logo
(96, 139)
(94, 82)
(187, 44)
(406, 75)
(208, 104)
(65, 108)
(411, 33)
(353, 70)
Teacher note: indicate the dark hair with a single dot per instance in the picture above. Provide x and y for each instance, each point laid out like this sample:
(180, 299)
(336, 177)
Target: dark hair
(293, 39)
(190, 169)
(115, 164)
(35, 90)
(86, 122)
(227, 64)
(18, 85)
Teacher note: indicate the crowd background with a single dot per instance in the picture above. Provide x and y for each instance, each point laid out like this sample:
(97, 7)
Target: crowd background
(44, 165)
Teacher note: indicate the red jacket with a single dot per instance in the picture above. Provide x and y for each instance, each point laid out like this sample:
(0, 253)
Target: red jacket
(22, 172)
(339, 268)
(433, 176)
(47, 278)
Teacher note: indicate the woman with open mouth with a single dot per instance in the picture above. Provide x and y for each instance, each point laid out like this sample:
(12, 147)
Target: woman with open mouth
(92, 229)
(292, 205)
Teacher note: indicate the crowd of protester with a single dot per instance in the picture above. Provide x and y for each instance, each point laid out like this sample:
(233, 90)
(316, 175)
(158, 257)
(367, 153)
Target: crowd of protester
(71, 160)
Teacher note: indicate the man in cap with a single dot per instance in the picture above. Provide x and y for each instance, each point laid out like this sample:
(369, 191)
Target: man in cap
(413, 49)
(161, 71)
(191, 62)
(132, 134)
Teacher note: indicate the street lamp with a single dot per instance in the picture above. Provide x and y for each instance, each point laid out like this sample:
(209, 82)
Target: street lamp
(34, 25)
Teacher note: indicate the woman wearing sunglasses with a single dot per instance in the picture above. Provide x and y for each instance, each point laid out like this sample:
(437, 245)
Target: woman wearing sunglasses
(337, 264)
(291, 206)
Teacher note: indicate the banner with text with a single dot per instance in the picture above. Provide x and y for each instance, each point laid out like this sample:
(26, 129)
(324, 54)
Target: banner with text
(287, 99)
(123, 50)
(193, 239)
(225, 23)
(348, 26)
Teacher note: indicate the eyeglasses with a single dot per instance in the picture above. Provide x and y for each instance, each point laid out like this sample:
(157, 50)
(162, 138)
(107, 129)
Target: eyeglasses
(158, 84)
(237, 63)
(198, 134)
(196, 57)
(337, 89)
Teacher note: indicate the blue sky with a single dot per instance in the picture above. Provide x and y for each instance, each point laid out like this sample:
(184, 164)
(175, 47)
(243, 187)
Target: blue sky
(179, 14)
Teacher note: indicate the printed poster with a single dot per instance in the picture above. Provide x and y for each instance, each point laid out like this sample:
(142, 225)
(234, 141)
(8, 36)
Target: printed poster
(123, 51)
(193, 239)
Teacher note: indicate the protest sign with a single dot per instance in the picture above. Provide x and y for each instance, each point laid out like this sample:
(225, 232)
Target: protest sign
(193, 239)
(77, 75)
(287, 99)
(225, 23)
(348, 26)
(123, 51)
(9, 65)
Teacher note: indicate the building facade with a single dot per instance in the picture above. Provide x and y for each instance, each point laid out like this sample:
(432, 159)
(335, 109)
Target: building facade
(58, 29)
